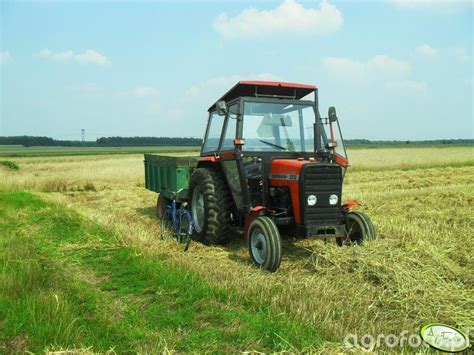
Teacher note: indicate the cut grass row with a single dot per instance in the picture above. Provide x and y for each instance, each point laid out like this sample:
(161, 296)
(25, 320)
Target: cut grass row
(68, 283)
(40, 151)
(52, 151)
(415, 273)
(72, 173)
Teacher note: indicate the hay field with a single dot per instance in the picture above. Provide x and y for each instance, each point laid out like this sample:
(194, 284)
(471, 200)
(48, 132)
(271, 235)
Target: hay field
(40, 151)
(418, 271)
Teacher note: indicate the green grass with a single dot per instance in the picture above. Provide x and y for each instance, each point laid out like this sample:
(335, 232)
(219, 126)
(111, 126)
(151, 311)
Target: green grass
(407, 146)
(67, 283)
(20, 151)
(9, 164)
(41, 151)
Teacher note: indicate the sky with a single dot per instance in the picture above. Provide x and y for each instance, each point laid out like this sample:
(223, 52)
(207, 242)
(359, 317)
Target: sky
(393, 69)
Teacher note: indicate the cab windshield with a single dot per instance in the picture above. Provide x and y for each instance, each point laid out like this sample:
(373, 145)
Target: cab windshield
(278, 127)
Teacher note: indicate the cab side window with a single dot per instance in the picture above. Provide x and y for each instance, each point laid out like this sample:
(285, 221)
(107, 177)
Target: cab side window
(228, 143)
(214, 133)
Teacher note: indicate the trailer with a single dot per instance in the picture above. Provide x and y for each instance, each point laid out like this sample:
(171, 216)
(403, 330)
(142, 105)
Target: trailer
(169, 176)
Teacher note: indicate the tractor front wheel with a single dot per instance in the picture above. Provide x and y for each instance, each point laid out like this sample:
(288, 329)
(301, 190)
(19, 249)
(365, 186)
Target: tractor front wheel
(359, 228)
(211, 205)
(264, 243)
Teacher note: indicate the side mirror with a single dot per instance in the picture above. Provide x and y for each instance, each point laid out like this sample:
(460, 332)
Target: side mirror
(221, 108)
(332, 114)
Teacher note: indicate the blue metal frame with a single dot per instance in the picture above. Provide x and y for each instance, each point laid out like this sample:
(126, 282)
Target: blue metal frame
(177, 216)
(177, 219)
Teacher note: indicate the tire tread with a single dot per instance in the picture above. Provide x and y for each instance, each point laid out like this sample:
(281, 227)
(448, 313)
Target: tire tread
(218, 204)
(273, 238)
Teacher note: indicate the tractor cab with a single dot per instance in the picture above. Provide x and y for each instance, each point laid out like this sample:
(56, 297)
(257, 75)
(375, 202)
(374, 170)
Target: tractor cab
(258, 123)
(271, 158)
(272, 117)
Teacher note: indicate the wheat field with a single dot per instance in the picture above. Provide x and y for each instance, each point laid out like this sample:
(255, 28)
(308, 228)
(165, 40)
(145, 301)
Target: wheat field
(418, 271)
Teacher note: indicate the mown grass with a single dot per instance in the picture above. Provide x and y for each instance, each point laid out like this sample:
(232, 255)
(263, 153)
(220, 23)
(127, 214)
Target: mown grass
(71, 173)
(67, 283)
(40, 151)
(377, 160)
(418, 271)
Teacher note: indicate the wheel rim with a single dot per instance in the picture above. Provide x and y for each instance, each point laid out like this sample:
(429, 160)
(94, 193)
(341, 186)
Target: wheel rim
(197, 209)
(258, 245)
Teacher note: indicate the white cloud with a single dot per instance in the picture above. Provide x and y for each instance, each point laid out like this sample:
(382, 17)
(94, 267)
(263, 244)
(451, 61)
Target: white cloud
(88, 56)
(288, 18)
(188, 111)
(47, 54)
(412, 86)
(146, 92)
(5, 57)
(462, 54)
(390, 66)
(380, 73)
(91, 56)
(427, 51)
(378, 65)
(210, 90)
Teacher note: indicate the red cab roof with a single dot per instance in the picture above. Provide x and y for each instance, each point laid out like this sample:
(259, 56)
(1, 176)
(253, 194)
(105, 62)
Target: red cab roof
(267, 88)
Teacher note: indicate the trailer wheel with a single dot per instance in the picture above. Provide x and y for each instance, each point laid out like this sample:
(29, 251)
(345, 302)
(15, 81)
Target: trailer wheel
(161, 205)
(359, 228)
(211, 206)
(166, 223)
(264, 243)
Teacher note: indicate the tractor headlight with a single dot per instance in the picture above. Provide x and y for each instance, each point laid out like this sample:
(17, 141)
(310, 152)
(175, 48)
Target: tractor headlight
(333, 199)
(312, 200)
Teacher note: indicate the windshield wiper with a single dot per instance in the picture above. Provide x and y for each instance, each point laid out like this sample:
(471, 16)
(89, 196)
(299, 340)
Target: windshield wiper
(273, 145)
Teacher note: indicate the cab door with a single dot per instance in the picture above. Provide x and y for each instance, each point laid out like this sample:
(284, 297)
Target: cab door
(213, 134)
(227, 153)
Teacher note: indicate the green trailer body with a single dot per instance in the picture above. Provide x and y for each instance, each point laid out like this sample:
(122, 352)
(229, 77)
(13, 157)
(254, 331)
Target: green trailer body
(167, 175)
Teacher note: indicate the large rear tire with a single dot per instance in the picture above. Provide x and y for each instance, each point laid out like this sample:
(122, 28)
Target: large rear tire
(264, 244)
(359, 229)
(210, 205)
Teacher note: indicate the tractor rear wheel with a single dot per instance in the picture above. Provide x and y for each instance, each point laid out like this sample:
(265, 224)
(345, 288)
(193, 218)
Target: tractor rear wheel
(359, 229)
(264, 243)
(161, 205)
(211, 206)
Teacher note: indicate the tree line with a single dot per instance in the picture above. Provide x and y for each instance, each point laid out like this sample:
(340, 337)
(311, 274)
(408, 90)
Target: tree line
(30, 141)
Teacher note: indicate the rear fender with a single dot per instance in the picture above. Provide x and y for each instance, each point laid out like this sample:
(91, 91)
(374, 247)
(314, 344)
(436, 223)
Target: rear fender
(211, 160)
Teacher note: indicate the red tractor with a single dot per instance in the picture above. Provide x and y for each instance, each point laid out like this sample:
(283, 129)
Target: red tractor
(269, 160)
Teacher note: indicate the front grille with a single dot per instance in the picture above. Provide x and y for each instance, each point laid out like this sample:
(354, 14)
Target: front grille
(321, 180)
